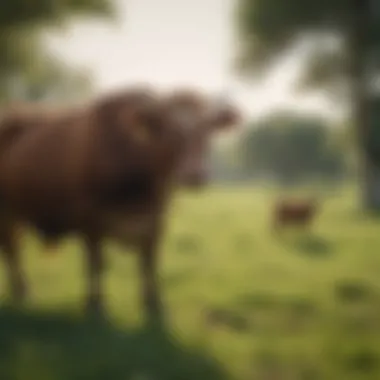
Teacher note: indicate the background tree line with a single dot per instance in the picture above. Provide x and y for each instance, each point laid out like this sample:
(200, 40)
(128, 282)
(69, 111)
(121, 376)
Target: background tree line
(287, 148)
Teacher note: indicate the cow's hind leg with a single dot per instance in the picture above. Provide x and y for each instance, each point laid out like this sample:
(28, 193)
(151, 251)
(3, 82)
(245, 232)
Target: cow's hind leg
(95, 266)
(12, 260)
(148, 272)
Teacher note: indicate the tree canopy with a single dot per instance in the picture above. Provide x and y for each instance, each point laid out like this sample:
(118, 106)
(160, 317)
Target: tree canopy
(292, 148)
(23, 56)
(21, 13)
(269, 28)
(342, 39)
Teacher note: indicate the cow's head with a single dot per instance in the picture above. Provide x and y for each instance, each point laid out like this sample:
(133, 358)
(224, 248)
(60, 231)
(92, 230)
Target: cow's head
(173, 130)
(197, 118)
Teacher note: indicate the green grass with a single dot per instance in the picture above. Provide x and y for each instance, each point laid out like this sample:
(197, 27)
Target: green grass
(242, 303)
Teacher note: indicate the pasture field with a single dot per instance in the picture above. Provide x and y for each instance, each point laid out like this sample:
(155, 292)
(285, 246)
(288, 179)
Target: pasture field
(241, 302)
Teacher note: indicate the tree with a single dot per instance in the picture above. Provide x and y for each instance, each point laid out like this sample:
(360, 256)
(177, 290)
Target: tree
(343, 38)
(49, 78)
(291, 149)
(20, 13)
(22, 55)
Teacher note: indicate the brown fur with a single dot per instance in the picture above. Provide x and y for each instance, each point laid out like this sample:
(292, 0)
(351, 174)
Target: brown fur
(106, 170)
(294, 212)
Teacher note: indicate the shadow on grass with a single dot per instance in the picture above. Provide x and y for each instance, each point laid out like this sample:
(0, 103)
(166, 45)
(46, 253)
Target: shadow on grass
(361, 215)
(228, 318)
(188, 244)
(52, 346)
(280, 314)
(353, 291)
(313, 246)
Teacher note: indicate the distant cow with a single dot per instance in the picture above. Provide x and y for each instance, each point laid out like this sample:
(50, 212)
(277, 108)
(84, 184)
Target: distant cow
(294, 213)
(104, 170)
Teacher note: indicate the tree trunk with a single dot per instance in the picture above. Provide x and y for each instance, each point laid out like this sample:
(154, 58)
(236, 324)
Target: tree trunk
(371, 186)
(359, 69)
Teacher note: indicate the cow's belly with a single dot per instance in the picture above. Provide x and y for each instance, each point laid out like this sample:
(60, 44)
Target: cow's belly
(128, 230)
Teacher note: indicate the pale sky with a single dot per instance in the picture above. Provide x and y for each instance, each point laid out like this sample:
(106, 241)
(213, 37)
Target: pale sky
(175, 42)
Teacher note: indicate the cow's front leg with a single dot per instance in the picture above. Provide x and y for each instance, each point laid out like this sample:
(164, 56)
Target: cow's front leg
(95, 267)
(148, 264)
(11, 253)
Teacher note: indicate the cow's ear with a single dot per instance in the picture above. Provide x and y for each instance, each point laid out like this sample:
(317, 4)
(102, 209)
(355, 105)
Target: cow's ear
(138, 117)
(146, 124)
(119, 111)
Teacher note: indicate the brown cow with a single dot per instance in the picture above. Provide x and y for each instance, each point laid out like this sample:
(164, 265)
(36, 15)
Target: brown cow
(107, 170)
(294, 212)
